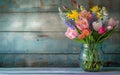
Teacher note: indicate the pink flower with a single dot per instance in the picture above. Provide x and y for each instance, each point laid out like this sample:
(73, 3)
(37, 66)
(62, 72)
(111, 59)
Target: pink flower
(97, 25)
(102, 30)
(71, 34)
(82, 23)
(112, 22)
(85, 14)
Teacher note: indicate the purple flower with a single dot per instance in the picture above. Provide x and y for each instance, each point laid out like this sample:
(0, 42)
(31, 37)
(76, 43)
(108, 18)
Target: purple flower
(70, 23)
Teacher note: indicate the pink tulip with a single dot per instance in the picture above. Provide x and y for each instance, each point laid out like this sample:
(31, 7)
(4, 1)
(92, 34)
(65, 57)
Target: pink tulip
(82, 23)
(71, 34)
(112, 22)
(97, 25)
(102, 30)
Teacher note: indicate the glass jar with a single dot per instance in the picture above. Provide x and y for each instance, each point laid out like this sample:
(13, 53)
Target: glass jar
(91, 57)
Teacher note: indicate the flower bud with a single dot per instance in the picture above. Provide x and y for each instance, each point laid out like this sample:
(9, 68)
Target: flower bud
(109, 27)
(102, 30)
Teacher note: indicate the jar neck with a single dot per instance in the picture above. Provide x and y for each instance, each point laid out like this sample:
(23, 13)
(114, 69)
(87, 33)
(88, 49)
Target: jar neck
(87, 45)
(92, 46)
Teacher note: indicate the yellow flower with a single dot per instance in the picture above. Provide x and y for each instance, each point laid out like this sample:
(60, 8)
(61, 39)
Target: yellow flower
(73, 15)
(99, 15)
(95, 9)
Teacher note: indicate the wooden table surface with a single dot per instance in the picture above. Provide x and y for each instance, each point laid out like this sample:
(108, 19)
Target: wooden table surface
(57, 71)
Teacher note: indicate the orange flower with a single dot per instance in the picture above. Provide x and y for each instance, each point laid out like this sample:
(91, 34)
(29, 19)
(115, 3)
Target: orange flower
(86, 32)
(81, 36)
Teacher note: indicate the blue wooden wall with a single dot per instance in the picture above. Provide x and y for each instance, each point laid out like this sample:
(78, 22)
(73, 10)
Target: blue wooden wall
(32, 34)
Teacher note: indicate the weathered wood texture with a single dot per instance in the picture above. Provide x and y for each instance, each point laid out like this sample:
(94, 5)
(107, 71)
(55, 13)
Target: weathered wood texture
(111, 5)
(50, 60)
(52, 5)
(31, 37)
(31, 22)
(28, 5)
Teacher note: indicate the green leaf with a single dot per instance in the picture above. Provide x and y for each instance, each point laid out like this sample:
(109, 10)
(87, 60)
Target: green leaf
(105, 36)
(79, 40)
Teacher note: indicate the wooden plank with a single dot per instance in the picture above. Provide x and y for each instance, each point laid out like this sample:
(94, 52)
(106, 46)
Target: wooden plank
(38, 60)
(51, 60)
(36, 22)
(28, 5)
(31, 22)
(48, 42)
(112, 45)
(111, 60)
(37, 42)
(45, 42)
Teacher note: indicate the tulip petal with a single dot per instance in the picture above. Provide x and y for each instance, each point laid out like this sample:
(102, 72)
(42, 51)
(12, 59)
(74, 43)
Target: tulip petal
(112, 22)
(97, 25)
(102, 30)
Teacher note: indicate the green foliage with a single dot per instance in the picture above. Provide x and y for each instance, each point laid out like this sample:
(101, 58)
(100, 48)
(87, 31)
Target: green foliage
(95, 37)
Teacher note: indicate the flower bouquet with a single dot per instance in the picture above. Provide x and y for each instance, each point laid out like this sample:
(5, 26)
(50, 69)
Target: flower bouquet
(89, 27)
